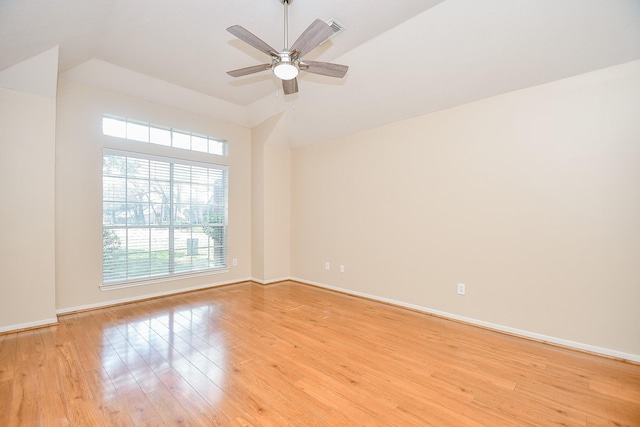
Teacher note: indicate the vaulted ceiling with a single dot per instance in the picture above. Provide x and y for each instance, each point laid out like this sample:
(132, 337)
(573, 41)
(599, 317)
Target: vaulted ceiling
(406, 58)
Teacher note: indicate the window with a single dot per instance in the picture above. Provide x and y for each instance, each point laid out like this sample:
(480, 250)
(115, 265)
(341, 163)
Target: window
(161, 216)
(145, 132)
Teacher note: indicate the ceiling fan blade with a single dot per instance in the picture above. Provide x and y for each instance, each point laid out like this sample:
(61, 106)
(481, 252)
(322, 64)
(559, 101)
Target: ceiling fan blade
(251, 39)
(324, 68)
(315, 34)
(249, 70)
(290, 86)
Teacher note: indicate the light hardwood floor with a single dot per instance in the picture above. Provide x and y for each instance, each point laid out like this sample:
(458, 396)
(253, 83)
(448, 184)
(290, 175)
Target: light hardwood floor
(291, 354)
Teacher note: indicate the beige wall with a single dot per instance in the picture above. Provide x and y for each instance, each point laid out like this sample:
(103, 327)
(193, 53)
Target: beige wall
(532, 199)
(27, 224)
(79, 192)
(257, 209)
(271, 195)
(277, 213)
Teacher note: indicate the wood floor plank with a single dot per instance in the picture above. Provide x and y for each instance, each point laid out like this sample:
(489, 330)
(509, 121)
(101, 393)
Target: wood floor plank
(515, 407)
(582, 400)
(52, 407)
(77, 395)
(191, 400)
(190, 379)
(6, 397)
(170, 409)
(343, 410)
(25, 385)
(617, 389)
(275, 375)
(112, 406)
(140, 409)
(7, 356)
(295, 355)
(129, 389)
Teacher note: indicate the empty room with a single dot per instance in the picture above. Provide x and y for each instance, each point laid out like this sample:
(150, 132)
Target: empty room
(320, 213)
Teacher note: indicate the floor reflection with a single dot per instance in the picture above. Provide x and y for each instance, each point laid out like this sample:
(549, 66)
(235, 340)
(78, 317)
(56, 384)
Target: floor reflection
(163, 347)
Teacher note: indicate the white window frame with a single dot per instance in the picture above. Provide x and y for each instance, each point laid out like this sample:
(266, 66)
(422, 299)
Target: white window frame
(171, 273)
(136, 130)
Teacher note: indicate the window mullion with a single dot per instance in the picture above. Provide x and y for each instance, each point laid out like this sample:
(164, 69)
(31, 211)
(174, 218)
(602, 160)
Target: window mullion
(126, 216)
(148, 218)
(171, 220)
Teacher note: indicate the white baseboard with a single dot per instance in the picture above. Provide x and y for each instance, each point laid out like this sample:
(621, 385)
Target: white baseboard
(270, 281)
(513, 331)
(29, 325)
(147, 296)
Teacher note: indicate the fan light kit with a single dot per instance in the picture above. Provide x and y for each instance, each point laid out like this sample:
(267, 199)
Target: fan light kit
(285, 69)
(287, 64)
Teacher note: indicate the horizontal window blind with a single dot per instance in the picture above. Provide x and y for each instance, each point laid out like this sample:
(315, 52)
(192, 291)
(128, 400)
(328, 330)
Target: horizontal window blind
(161, 217)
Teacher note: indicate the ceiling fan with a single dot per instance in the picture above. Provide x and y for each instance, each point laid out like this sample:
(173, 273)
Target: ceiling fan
(287, 63)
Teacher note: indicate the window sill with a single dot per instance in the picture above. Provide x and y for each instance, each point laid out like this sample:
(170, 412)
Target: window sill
(160, 279)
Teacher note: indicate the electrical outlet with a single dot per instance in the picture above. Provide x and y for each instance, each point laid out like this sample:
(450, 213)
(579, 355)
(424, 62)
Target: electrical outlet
(327, 266)
(462, 289)
(234, 262)
(342, 269)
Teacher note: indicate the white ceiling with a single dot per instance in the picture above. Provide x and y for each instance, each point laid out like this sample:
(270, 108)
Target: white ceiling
(406, 57)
